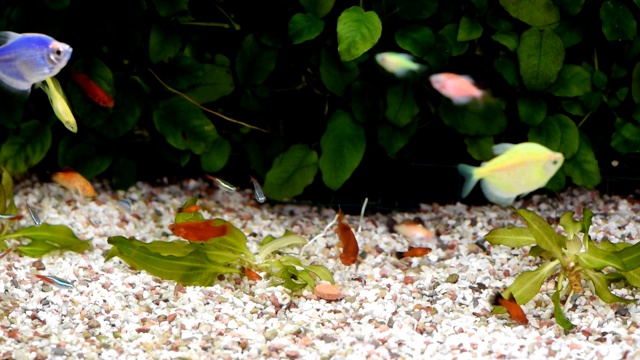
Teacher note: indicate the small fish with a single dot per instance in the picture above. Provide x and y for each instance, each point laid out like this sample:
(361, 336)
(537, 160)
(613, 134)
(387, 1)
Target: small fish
(93, 90)
(125, 204)
(55, 281)
(75, 182)
(348, 240)
(414, 252)
(221, 183)
(257, 191)
(34, 216)
(11, 216)
(252, 275)
(198, 230)
(398, 64)
(516, 170)
(59, 103)
(459, 88)
(411, 229)
(515, 311)
(29, 58)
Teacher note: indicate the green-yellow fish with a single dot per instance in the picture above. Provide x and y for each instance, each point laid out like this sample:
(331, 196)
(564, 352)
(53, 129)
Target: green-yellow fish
(516, 170)
(59, 103)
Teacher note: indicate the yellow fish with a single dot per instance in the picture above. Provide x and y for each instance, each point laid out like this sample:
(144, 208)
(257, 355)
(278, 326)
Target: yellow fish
(59, 103)
(399, 64)
(516, 170)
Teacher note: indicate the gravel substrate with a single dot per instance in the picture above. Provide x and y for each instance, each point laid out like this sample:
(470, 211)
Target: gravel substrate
(435, 306)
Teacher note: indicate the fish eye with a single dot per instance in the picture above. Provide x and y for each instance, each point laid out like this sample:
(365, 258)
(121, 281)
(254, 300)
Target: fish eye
(55, 56)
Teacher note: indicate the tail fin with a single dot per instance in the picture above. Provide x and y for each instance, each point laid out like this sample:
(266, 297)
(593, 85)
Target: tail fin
(467, 171)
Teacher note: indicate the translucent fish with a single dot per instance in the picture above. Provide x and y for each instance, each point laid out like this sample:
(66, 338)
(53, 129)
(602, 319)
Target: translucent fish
(221, 183)
(459, 88)
(10, 216)
(125, 205)
(257, 191)
(55, 281)
(517, 170)
(398, 64)
(59, 103)
(34, 216)
(27, 59)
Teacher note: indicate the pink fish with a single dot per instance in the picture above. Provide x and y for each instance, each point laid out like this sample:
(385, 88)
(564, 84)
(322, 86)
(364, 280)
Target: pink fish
(459, 88)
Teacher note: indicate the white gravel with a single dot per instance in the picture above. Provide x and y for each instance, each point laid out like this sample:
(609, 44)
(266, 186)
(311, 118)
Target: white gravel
(392, 308)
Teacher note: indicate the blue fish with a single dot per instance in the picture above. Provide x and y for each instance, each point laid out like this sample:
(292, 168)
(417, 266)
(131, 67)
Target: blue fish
(29, 58)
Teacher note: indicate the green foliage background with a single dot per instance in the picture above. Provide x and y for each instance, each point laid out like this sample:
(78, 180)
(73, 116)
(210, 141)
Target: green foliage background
(563, 73)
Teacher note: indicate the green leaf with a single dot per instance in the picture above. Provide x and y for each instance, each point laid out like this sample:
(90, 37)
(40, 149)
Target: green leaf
(280, 243)
(469, 29)
(527, 284)
(573, 107)
(416, 10)
(166, 8)
(46, 238)
(129, 102)
(164, 43)
(633, 277)
(254, 64)
(450, 32)
(514, 237)
(216, 156)
(401, 105)
(532, 12)
(617, 21)
(57, 4)
(234, 241)
(7, 204)
(85, 156)
(570, 31)
(480, 147)
(393, 139)
(291, 172)
(600, 81)
(532, 111)
(583, 166)
(547, 134)
(476, 119)
(571, 7)
(336, 75)
(214, 81)
(507, 68)
(26, 148)
(540, 54)
(184, 125)
(319, 8)
(366, 103)
(570, 136)
(358, 31)
(194, 268)
(343, 145)
(573, 80)
(506, 38)
(304, 27)
(561, 319)
(601, 286)
(635, 83)
(545, 236)
(570, 226)
(417, 39)
(630, 256)
(626, 138)
(557, 181)
(595, 258)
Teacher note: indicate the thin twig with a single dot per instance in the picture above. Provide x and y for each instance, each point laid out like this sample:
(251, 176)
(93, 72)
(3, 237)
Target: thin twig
(364, 206)
(186, 97)
(324, 232)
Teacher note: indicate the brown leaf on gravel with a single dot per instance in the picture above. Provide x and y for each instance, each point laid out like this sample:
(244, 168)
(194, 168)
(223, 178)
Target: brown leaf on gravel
(328, 292)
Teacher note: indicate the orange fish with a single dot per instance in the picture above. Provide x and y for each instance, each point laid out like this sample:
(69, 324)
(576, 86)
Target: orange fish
(73, 181)
(251, 274)
(514, 310)
(411, 229)
(413, 252)
(93, 90)
(190, 209)
(459, 88)
(348, 239)
(198, 230)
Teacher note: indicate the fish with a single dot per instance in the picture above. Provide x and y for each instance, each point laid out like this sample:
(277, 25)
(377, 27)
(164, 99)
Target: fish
(411, 229)
(257, 191)
(198, 230)
(348, 240)
(34, 216)
(74, 182)
(125, 204)
(29, 58)
(59, 103)
(11, 216)
(517, 170)
(459, 88)
(515, 311)
(252, 275)
(399, 64)
(190, 209)
(221, 183)
(55, 281)
(92, 90)
(413, 252)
